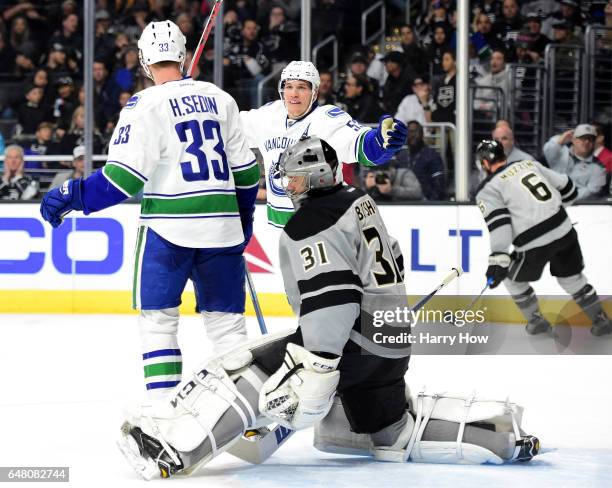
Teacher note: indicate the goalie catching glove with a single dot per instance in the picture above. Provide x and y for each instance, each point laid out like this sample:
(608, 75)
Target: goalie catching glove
(499, 263)
(301, 392)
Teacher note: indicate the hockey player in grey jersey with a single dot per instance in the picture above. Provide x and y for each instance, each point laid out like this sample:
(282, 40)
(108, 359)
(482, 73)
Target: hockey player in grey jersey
(334, 250)
(523, 205)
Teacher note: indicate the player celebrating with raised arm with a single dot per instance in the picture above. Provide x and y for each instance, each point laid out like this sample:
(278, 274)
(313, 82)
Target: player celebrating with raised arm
(333, 251)
(523, 204)
(179, 142)
(280, 124)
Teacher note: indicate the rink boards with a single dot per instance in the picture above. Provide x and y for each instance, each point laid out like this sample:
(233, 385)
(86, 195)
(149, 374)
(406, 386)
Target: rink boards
(86, 265)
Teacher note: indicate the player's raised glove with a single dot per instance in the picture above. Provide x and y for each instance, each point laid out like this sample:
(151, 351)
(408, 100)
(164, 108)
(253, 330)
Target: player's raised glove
(499, 263)
(58, 202)
(391, 133)
(301, 392)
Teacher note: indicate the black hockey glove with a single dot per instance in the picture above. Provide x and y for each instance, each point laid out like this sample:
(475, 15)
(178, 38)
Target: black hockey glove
(499, 262)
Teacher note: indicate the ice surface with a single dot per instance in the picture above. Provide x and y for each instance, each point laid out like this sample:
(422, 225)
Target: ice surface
(65, 379)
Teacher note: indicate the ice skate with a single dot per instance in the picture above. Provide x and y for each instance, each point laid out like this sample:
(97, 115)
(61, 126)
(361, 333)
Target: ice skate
(601, 325)
(529, 447)
(537, 324)
(147, 455)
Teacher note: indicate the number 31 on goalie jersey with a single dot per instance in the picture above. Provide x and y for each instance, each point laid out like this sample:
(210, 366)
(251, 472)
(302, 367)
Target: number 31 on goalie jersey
(390, 271)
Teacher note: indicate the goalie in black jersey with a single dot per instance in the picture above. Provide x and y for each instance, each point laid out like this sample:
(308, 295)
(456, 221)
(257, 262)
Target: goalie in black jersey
(334, 250)
(523, 204)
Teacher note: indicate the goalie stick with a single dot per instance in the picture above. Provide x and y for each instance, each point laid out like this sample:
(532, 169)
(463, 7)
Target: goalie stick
(265, 443)
(207, 28)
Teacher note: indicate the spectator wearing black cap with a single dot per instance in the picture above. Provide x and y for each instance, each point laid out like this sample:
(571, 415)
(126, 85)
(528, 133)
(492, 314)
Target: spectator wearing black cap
(445, 91)
(31, 111)
(538, 41)
(65, 103)
(57, 62)
(359, 101)
(414, 54)
(437, 48)
(104, 42)
(359, 66)
(418, 105)
(399, 81)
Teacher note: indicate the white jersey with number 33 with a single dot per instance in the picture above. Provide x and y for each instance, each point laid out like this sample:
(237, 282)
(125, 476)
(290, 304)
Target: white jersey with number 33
(182, 144)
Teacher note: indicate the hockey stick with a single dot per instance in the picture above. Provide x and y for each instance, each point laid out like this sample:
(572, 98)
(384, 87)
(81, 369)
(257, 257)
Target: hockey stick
(207, 28)
(488, 284)
(455, 273)
(253, 293)
(256, 451)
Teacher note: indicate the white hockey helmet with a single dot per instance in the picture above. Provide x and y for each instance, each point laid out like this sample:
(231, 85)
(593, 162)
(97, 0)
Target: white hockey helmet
(161, 41)
(300, 70)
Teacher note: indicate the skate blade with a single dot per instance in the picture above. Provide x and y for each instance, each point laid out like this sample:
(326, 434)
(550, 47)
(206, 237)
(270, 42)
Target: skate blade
(145, 468)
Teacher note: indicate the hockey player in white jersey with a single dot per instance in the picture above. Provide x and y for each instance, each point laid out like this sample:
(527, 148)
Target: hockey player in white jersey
(179, 142)
(523, 205)
(334, 251)
(280, 124)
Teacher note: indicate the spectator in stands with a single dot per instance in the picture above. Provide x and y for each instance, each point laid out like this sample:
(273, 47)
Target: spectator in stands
(65, 103)
(504, 134)
(484, 39)
(569, 12)
(69, 36)
(24, 63)
(578, 162)
(40, 78)
(126, 75)
(57, 62)
(359, 101)
(498, 77)
(185, 24)
(7, 56)
(359, 66)
(425, 162)
(20, 37)
(509, 25)
(601, 151)
(76, 133)
(105, 94)
(122, 41)
(390, 183)
(437, 15)
(41, 146)
(246, 60)
(418, 105)
(78, 168)
(232, 27)
(563, 34)
(15, 184)
(491, 8)
(437, 48)
(538, 40)
(414, 54)
(31, 111)
(104, 42)
(135, 23)
(399, 81)
(325, 95)
(445, 91)
(280, 37)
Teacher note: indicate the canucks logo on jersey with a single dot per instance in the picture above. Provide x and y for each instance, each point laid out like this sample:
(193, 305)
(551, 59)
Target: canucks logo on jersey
(274, 178)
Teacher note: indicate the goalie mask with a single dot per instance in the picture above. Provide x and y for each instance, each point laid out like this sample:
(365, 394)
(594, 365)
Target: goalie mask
(161, 41)
(308, 165)
(304, 71)
(491, 152)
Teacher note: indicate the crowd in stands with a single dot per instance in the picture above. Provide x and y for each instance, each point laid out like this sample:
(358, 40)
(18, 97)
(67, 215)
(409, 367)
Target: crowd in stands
(41, 59)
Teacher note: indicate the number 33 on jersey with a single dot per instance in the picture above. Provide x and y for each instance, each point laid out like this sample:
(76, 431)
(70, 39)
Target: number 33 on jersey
(181, 144)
